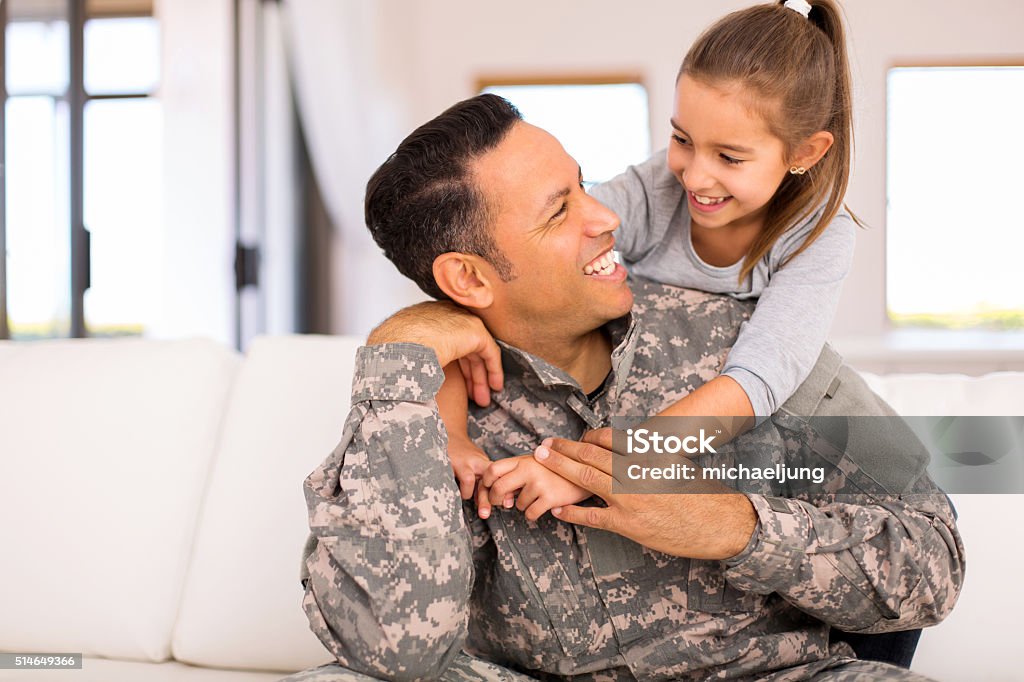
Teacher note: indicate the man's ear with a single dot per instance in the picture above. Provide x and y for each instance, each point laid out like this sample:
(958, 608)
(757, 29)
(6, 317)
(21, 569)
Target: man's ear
(810, 151)
(465, 278)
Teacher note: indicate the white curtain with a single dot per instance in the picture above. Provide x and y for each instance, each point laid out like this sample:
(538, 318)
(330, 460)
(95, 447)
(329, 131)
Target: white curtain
(352, 120)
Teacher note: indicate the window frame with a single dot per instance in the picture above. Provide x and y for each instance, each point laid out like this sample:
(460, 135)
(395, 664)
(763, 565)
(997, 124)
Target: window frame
(4, 331)
(486, 80)
(77, 99)
(890, 328)
(526, 79)
(608, 78)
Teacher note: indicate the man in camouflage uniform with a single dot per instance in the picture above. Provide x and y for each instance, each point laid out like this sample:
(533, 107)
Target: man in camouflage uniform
(405, 581)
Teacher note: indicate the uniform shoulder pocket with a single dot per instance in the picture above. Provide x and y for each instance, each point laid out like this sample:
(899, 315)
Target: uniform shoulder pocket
(852, 427)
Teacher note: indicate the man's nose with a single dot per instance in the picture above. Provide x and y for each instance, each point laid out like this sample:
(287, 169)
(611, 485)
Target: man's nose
(600, 218)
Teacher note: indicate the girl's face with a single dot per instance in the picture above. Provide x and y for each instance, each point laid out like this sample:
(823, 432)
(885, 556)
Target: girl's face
(724, 156)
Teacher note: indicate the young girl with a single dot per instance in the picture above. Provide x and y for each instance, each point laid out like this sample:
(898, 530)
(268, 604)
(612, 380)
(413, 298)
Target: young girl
(748, 201)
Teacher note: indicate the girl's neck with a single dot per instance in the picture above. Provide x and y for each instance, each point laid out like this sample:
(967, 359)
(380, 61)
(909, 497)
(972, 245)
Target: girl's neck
(724, 246)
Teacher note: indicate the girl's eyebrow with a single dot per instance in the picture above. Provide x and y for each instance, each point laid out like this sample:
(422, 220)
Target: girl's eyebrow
(719, 145)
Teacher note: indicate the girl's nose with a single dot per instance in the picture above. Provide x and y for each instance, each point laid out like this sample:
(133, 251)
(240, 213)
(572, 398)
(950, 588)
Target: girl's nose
(696, 176)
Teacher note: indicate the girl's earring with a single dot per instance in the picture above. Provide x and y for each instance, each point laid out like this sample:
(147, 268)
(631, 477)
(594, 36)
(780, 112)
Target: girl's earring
(797, 170)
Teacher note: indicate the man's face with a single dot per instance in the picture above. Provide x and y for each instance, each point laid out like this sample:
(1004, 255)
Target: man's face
(557, 237)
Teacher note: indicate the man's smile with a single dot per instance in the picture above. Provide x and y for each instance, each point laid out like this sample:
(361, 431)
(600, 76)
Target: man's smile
(606, 268)
(602, 265)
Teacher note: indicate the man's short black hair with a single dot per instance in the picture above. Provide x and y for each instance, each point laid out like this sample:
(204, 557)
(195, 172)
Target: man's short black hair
(423, 201)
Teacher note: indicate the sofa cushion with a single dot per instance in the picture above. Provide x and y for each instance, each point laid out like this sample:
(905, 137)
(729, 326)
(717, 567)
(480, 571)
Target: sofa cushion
(980, 638)
(241, 607)
(986, 620)
(106, 449)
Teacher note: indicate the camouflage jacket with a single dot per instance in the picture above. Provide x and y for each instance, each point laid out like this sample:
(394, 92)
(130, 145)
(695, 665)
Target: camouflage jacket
(402, 574)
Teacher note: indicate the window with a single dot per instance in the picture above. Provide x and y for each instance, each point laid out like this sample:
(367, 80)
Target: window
(602, 122)
(81, 132)
(954, 233)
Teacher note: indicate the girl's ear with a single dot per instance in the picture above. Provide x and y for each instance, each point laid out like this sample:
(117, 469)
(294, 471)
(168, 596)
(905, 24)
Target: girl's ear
(810, 151)
(465, 278)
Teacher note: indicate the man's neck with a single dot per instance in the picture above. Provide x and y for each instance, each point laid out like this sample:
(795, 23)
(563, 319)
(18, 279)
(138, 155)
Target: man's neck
(586, 358)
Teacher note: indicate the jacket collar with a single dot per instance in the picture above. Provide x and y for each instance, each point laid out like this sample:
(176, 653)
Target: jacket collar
(623, 333)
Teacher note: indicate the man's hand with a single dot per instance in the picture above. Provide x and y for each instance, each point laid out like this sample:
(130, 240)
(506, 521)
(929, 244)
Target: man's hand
(455, 334)
(704, 521)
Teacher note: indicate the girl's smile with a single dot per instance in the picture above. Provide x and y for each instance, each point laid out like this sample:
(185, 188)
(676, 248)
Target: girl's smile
(706, 204)
(724, 155)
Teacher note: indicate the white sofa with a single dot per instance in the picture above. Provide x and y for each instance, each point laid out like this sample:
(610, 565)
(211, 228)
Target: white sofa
(152, 518)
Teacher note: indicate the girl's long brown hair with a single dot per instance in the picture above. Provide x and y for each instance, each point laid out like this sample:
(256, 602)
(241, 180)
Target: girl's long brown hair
(798, 75)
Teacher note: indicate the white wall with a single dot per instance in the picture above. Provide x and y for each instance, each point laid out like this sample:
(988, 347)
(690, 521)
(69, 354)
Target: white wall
(431, 54)
(196, 93)
(449, 44)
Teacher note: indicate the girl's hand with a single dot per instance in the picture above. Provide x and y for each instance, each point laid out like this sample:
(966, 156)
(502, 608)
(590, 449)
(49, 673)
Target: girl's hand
(482, 376)
(528, 485)
(469, 464)
(468, 461)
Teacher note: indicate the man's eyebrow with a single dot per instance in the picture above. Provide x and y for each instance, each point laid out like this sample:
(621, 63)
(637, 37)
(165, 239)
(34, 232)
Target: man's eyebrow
(720, 145)
(560, 194)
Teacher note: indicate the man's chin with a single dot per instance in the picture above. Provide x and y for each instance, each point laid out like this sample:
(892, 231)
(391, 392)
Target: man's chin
(621, 304)
(628, 307)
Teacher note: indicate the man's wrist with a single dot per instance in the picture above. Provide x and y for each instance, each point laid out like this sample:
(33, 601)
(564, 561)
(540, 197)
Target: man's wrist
(735, 537)
(773, 561)
(420, 324)
(384, 335)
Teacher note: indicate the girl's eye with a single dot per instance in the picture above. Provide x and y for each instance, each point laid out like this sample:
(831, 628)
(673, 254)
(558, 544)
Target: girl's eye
(679, 139)
(731, 161)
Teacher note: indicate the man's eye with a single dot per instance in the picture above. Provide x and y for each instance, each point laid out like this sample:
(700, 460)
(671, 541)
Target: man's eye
(561, 211)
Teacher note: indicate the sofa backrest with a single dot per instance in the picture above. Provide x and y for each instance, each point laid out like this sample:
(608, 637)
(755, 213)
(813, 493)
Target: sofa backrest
(241, 607)
(151, 501)
(998, 393)
(105, 452)
(980, 637)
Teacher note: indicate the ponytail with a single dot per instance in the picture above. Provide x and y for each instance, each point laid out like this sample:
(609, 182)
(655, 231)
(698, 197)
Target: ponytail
(799, 72)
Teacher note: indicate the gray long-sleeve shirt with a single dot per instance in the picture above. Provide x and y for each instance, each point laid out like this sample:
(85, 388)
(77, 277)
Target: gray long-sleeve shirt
(778, 346)
(402, 574)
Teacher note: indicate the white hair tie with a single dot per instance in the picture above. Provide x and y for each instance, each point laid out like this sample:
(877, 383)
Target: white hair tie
(801, 6)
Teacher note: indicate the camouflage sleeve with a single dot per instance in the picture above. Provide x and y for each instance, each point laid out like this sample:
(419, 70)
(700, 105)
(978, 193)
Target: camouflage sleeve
(390, 567)
(878, 566)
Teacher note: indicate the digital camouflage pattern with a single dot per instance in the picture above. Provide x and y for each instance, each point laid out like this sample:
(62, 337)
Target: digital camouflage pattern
(463, 668)
(403, 577)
